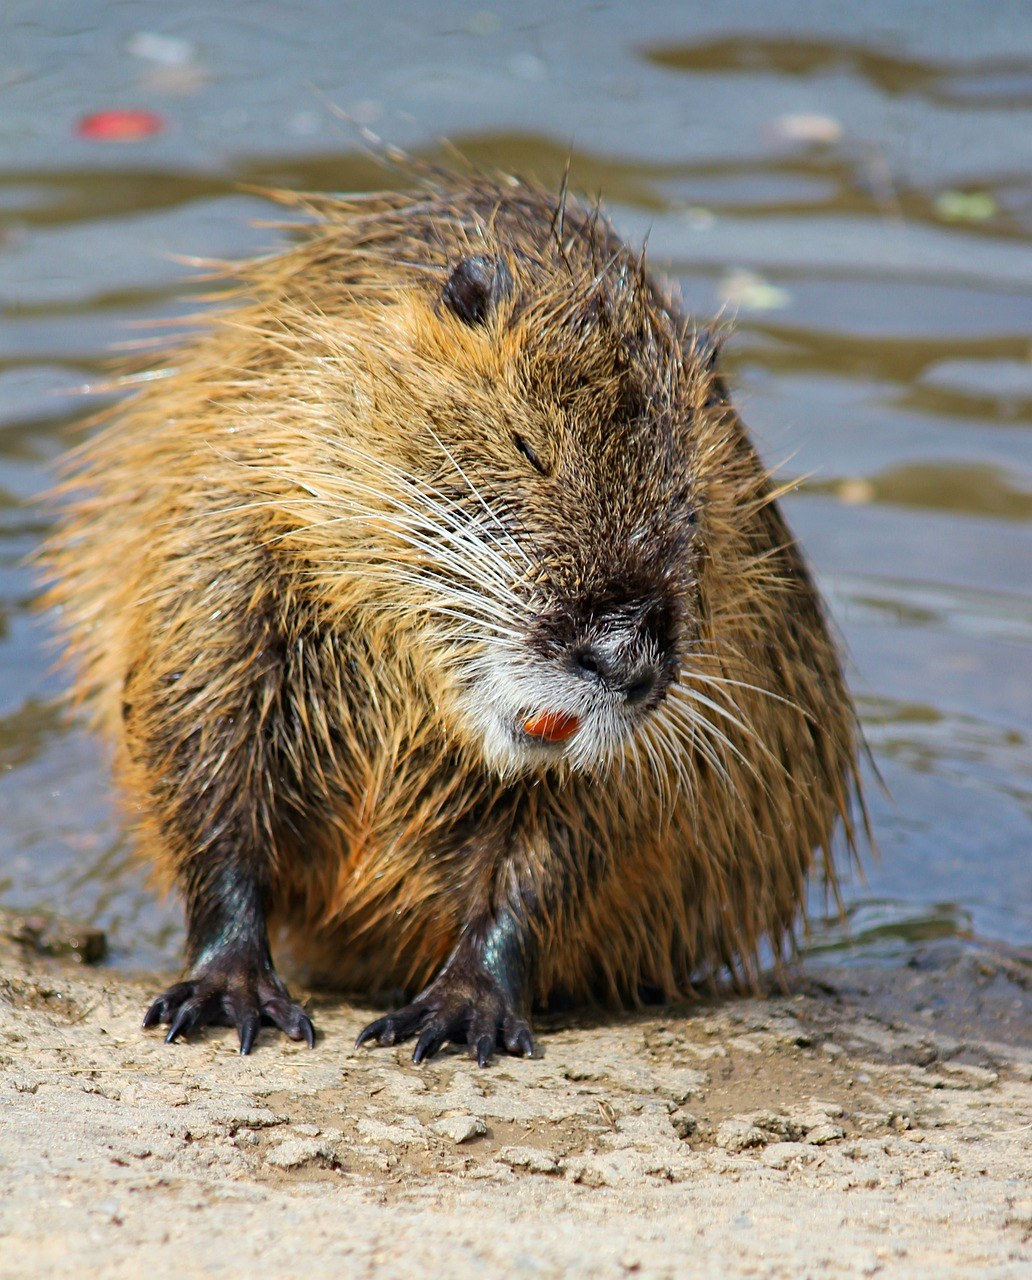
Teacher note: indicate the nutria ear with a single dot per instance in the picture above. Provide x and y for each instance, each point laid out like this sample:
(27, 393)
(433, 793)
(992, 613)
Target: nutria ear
(475, 287)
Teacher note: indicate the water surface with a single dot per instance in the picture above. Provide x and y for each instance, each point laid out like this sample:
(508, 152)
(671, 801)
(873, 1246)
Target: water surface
(852, 190)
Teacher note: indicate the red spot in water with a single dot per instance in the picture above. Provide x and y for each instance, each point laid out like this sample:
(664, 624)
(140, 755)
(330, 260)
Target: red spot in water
(552, 726)
(120, 126)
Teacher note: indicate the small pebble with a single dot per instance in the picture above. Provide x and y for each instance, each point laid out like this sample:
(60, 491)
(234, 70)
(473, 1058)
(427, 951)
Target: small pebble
(684, 1123)
(739, 1135)
(781, 1155)
(297, 1152)
(824, 1133)
(530, 1159)
(459, 1129)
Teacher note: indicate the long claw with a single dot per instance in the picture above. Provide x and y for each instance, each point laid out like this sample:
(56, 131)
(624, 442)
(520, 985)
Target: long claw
(517, 1037)
(485, 1047)
(247, 1028)
(291, 1019)
(154, 1014)
(186, 1017)
(161, 1009)
(430, 1040)
(372, 1032)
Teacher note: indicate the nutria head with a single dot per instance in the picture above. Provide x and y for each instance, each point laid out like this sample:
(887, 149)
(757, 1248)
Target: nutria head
(527, 445)
(598, 503)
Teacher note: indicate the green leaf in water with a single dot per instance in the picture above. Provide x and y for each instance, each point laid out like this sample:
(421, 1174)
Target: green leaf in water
(965, 206)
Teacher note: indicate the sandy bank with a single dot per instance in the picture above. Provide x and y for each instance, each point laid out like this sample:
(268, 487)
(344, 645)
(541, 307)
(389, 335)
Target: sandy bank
(874, 1122)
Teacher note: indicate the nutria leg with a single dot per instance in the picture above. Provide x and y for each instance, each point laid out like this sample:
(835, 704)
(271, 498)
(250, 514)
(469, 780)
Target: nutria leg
(233, 981)
(479, 998)
(220, 761)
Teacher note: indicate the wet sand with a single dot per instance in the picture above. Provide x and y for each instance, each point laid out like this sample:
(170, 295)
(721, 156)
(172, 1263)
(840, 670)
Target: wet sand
(868, 1122)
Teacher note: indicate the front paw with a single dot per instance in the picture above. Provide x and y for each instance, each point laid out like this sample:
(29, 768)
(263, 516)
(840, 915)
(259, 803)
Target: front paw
(235, 992)
(464, 1005)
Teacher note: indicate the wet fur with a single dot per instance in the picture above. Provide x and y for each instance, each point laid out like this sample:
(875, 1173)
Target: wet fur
(246, 577)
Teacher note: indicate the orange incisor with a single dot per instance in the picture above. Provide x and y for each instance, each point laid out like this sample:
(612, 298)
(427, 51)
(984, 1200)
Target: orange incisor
(552, 726)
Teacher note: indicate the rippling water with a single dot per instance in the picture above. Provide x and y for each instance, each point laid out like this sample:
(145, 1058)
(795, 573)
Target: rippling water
(854, 191)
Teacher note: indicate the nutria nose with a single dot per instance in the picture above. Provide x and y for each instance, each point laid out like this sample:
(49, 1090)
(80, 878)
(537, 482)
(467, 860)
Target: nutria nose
(635, 681)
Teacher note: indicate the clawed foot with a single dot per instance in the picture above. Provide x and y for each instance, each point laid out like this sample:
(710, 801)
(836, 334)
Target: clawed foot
(461, 1006)
(235, 993)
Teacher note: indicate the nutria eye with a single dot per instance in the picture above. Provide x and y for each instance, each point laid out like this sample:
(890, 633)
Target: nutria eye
(529, 454)
(475, 287)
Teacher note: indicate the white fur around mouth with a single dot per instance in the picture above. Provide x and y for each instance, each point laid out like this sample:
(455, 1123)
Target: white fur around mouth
(508, 692)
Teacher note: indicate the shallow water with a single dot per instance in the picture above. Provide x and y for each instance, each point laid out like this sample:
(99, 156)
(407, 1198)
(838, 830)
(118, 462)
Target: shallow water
(874, 254)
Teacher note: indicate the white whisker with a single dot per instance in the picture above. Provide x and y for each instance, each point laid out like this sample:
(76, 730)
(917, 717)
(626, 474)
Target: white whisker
(474, 490)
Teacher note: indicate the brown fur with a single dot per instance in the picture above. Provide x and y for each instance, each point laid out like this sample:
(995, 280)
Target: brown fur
(255, 628)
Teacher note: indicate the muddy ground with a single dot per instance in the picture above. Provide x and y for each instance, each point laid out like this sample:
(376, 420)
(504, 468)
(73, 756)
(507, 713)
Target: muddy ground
(870, 1122)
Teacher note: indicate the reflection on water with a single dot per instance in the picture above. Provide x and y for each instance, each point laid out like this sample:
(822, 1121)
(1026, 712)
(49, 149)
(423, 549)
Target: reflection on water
(859, 191)
(885, 929)
(970, 489)
(999, 81)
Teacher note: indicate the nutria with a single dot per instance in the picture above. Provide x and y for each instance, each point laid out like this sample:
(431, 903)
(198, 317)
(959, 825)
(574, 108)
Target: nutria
(445, 624)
